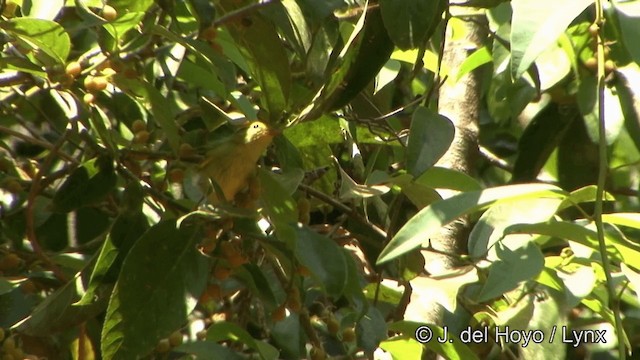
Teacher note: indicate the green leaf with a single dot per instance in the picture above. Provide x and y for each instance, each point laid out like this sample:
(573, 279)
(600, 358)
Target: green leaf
(125, 6)
(161, 279)
(617, 247)
(475, 60)
(512, 267)
(534, 28)
(158, 105)
(278, 203)
(126, 229)
(430, 136)
(324, 259)
(325, 130)
(42, 35)
(540, 138)
(208, 350)
(628, 14)
(371, 330)
(56, 313)
(411, 22)
(387, 74)
(261, 47)
(627, 104)
(492, 223)
(229, 331)
(46, 10)
(430, 219)
(445, 178)
(453, 349)
(582, 195)
(613, 113)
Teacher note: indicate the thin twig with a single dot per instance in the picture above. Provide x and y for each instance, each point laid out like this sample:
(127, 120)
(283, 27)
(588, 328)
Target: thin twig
(342, 207)
(614, 301)
(41, 143)
(242, 12)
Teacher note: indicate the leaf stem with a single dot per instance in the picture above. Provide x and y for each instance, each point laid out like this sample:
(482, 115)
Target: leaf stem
(614, 301)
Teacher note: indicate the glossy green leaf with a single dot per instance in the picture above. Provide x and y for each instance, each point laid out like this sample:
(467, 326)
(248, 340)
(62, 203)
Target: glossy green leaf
(278, 203)
(534, 28)
(44, 35)
(324, 259)
(631, 220)
(230, 331)
(613, 113)
(453, 349)
(430, 136)
(430, 219)
(628, 106)
(42, 9)
(207, 350)
(628, 16)
(475, 60)
(371, 330)
(159, 284)
(386, 75)
(489, 229)
(540, 138)
(445, 178)
(512, 267)
(617, 248)
(262, 49)
(125, 6)
(56, 312)
(411, 22)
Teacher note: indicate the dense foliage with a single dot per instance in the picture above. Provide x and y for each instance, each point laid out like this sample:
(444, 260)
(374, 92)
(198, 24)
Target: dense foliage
(110, 247)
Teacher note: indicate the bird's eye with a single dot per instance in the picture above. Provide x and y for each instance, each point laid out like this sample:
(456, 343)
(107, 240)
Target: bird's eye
(256, 126)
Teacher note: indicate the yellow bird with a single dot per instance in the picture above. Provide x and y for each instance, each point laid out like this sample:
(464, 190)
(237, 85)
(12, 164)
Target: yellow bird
(231, 163)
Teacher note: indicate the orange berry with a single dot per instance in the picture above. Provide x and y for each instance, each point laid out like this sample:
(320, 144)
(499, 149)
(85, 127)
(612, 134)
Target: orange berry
(332, 325)
(317, 353)
(279, 313)
(138, 126)
(221, 273)
(109, 13)
(591, 64)
(349, 334)
(209, 33)
(10, 262)
(73, 68)
(176, 175)
(89, 98)
(141, 137)
(175, 339)
(163, 346)
(186, 150)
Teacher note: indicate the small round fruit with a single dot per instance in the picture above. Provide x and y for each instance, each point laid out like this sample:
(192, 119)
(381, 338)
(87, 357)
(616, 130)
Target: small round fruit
(176, 175)
(237, 260)
(593, 30)
(10, 261)
(100, 83)
(28, 287)
(609, 66)
(332, 325)
(591, 64)
(201, 335)
(12, 185)
(109, 13)
(89, 98)
(186, 150)
(175, 339)
(73, 68)
(142, 137)
(221, 272)
(138, 126)
(317, 353)
(9, 344)
(209, 33)
(163, 346)
(349, 334)
(279, 313)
